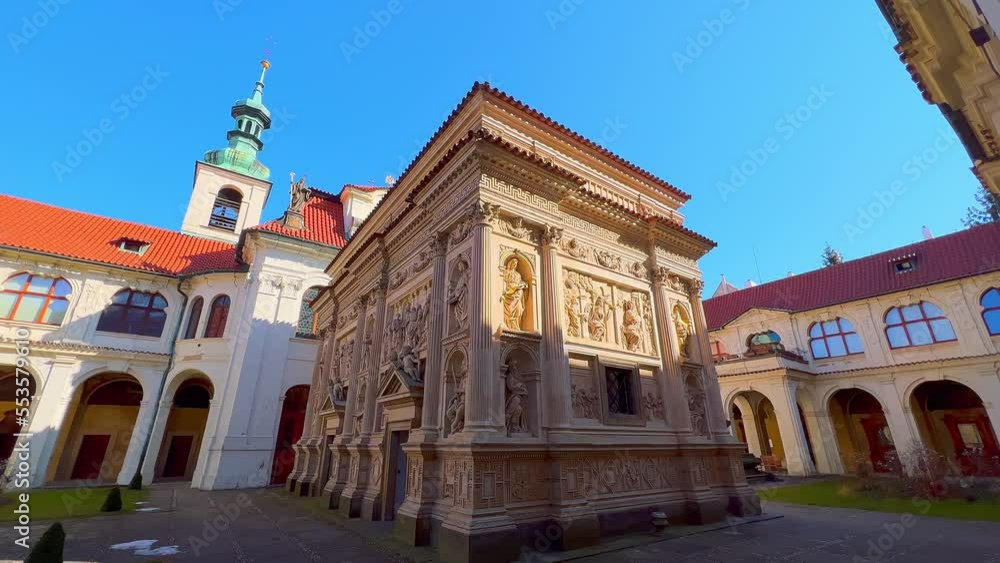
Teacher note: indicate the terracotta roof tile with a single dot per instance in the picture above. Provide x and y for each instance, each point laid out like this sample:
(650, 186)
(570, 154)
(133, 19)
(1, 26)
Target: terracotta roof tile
(958, 255)
(39, 227)
(324, 217)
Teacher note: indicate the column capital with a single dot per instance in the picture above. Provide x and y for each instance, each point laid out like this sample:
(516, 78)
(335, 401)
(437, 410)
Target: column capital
(661, 274)
(439, 243)
(551, 236)
(484, 212)
(695, 287)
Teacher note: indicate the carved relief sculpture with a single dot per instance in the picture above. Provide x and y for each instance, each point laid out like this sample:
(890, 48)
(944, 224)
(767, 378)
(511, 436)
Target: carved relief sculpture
(514, 293)
(458, 294)
(455, 413)
(654, 407)
(683, 329)
(696, 405)
(517, 392)
(632, 326)
(584, 402)
(597, 322)
(571, 295)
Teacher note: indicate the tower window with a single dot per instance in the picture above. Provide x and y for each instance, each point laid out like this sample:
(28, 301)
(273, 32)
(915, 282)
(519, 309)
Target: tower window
(226, 210)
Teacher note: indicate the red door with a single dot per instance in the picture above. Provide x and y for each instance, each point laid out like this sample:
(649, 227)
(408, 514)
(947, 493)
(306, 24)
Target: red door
(91, 456)
(177, 456)
(293, 418)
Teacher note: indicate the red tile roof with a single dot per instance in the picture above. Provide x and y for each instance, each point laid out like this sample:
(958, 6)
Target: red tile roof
(324, 217)
(39, 227)
(958, 255)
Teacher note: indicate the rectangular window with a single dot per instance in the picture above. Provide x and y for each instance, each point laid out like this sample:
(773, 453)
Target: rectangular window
(620, 384)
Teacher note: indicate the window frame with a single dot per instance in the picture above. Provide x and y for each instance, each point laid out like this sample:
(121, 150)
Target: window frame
(49, 297)
(635, 386)
(147, 312)
(924, 320)
(191, 329)
(841, 334)
(305, 304)
(990, 309)
(214, 327)
(226, 197)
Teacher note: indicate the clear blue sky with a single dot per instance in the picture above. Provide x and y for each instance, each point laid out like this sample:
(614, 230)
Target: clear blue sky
(585, 63)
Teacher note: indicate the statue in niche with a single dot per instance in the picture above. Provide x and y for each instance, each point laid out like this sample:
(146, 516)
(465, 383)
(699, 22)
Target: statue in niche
(696, 406)
(683, 329)
(572, 297)
(515, 415)
(513, 295)
(368, 343)
(338, 393)
(455, 413)
(632, 326)
(458, 294)
(598, 321)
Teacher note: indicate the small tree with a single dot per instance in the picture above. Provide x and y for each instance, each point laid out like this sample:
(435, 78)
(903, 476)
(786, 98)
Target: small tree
(136, 483)
(986, 210)
(114, 501)
(49, 548)
(831, 256)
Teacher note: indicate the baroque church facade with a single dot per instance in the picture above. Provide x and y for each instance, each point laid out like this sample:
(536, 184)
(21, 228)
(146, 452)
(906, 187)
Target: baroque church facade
(181, 355)
(514, 342)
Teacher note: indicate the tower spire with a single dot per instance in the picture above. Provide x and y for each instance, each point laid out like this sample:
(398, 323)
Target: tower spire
(252, 119)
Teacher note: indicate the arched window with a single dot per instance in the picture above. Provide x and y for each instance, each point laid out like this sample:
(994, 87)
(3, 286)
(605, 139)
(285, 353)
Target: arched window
(764, 343)
(226, 210)
(991, 310)
(194, 317)
(134, 312)
(34, 299)
(217, 316)
(919, 324)
(306, 327)
(830, 339)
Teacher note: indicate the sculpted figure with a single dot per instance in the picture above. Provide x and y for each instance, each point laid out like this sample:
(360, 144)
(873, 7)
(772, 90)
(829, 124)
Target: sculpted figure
(515, 416)
(683, 332)
(632, 326)
(338, 391)
(513, 295)
(458, 295)
(572, 297)
(455, 413)
(598, 321)
(409, 363)
(299, 194)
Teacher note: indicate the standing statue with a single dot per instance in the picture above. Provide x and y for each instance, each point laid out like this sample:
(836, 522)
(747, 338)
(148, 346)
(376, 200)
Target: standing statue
(299, 195)
(572, 297)
(632, 326)
(458, 294)
(598, 321)
(513, 295)
(683, 332)
(408, 363)
(515, 415)
(455, 414)
(339, 394)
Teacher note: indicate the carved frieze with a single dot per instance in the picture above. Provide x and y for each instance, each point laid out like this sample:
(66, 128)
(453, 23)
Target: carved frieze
(601, 312)
(654, 406)
(585, 403)
(518, 229)
(406, 323)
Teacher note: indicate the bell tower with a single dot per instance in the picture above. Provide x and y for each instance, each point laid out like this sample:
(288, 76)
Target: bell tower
(230, 184)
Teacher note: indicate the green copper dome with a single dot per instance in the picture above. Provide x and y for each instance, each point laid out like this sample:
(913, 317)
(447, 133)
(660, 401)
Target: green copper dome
(252, 119)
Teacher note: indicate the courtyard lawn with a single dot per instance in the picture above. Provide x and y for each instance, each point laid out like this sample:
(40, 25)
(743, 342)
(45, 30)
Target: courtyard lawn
(834, 493)
(58, 504)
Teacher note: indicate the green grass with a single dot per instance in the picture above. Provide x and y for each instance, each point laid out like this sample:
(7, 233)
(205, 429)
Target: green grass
(57, 504)
(834, 493)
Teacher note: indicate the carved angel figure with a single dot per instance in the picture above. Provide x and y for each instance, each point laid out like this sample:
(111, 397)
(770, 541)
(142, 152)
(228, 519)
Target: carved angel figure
(513, 295)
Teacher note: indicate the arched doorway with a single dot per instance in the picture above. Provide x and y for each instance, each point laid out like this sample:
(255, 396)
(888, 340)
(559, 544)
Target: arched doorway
(739, 426)
(953, 421)
(98, 428)
(862, 431)
(184, 431)
(10, 424)
(757, 425)
(293, 416)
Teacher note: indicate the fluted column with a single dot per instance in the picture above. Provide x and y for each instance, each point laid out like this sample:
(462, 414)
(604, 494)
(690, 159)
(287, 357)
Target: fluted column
(430, 413)
(672, 385)
(557, 385)
(371, 388)
(717, 413)
(480, 407)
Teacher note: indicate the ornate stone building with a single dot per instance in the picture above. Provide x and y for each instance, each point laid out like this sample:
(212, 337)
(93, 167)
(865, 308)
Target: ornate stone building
(514, 343)
(952, 51)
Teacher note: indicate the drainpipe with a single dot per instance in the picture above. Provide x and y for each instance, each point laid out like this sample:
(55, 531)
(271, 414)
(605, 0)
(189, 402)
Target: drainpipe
(163, 380)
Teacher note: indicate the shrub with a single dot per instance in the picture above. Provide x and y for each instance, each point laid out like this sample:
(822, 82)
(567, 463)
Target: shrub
(114, 501)
(49, 548)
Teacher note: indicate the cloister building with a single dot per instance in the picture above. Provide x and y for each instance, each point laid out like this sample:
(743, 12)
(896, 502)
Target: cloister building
(513, 344)
(186, 354)
(868, 362)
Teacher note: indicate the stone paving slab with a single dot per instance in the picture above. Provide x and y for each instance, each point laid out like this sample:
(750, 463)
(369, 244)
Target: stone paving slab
(267, 525)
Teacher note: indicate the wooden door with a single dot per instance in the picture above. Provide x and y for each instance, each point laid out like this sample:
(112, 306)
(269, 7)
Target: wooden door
(178, 455)
(93, 447)
(290, 425)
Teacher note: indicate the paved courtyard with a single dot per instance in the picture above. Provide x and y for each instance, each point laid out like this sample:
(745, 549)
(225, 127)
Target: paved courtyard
(266, 525)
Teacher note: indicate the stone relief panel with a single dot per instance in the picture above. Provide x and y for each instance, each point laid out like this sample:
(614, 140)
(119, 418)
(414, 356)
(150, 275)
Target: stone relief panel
(517, 228)
(585, 402)
(684, 329)
(458, 294)
(596, 476)
(341, 370)
(456, 373)
(696, 400)
(406, 323)
(597, 311)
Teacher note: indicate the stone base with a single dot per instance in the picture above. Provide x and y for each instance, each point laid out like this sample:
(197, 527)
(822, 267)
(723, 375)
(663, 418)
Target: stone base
(290, 485)
(371, 508)
(349, 506)
(305, 489)
(415, 530)
(747, 504)
(496, 546)
(706, 510)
